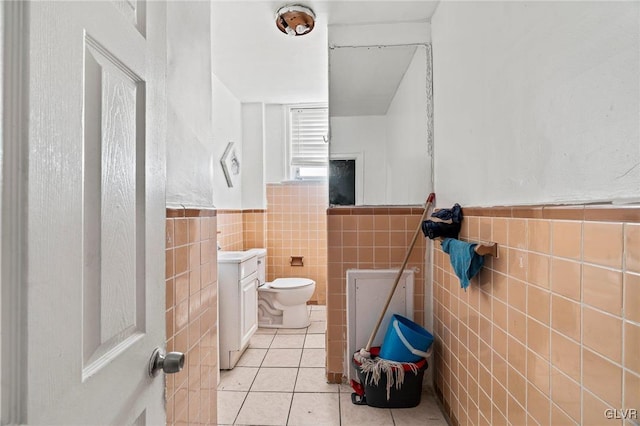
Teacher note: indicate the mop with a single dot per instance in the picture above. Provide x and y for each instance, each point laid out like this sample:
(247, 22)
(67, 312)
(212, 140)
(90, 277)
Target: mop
(374, 368)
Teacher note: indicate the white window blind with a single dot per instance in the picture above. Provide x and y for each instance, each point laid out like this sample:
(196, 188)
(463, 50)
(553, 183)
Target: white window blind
(309, 128)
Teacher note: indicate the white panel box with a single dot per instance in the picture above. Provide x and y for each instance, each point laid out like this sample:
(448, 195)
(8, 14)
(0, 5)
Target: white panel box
(367, 292)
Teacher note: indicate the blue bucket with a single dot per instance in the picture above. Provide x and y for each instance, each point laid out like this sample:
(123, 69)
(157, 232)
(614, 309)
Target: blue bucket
(405, 341)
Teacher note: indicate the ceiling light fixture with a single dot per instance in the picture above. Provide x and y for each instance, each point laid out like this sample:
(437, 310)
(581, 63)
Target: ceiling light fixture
(295, 19)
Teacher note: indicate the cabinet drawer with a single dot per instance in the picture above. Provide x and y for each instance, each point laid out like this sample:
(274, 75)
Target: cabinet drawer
(247, 267)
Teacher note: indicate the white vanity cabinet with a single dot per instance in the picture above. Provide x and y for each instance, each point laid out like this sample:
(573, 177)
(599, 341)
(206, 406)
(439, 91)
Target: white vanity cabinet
(248, 308)
(238, 304)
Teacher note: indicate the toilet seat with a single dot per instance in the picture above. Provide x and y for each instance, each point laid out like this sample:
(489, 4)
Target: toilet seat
(290, 283)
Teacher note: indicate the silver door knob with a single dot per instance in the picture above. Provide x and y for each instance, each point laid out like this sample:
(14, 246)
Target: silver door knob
(170, 363)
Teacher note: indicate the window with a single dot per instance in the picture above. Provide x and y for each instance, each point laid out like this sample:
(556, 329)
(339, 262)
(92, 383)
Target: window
(308, 142)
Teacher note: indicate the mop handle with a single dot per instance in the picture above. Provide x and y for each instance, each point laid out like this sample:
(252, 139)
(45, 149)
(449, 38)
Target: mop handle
(430, 199)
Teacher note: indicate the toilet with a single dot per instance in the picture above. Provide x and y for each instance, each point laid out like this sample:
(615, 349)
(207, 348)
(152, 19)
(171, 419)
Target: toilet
(282, 303)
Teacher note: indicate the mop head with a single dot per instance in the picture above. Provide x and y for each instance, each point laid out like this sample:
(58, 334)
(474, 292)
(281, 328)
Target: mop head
(374, 368)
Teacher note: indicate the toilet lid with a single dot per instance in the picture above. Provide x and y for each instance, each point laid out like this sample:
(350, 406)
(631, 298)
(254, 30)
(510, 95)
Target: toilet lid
(291, 282)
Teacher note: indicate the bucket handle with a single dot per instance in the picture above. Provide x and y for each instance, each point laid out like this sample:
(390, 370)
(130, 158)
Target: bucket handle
(408, 345)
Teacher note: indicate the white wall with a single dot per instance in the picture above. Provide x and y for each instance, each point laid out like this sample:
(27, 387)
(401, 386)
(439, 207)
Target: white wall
(253, 173)
(379, 34)
(540, 106)
(275, 143)
(189, 136)
(407, 160)
(203, 115)
(227, 127)
(365, 135)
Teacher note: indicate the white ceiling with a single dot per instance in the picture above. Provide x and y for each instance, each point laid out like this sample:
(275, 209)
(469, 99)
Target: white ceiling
(258, 63)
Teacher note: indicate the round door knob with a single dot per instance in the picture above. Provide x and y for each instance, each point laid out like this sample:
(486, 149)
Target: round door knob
(170, 363)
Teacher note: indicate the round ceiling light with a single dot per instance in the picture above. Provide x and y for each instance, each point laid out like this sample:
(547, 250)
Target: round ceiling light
(295, 19)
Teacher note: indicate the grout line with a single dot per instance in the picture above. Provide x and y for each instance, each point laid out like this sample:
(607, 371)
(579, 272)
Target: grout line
(581, 343)
(339, 406)
(240, 409)
(293, 391)
(623, 358)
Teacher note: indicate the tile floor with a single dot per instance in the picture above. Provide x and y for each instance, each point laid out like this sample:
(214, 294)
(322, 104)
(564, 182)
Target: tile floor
(280, 380)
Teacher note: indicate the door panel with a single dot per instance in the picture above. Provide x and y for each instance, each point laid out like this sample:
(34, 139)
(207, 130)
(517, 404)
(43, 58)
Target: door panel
(95, 236)
(113, 227)
(134, 12)
(367, 293)
(371, 295)
(249, 298)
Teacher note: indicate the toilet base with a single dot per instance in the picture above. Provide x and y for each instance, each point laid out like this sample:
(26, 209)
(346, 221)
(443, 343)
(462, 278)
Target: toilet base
(296, 317)
(293, 317)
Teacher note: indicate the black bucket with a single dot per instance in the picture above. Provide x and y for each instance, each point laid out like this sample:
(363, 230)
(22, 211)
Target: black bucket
(376, 395)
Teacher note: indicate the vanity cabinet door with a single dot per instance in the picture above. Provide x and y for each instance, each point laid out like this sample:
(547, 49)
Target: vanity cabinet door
(249, 307)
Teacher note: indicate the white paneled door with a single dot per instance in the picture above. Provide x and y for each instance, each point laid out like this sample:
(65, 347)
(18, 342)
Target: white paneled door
(96, 208)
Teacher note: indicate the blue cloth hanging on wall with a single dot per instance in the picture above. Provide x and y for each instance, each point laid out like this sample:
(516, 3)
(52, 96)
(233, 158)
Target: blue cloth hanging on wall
(465, 261)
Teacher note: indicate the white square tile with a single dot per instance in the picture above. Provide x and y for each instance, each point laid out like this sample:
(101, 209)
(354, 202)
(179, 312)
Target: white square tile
(427, 412)
(282, 358)
(229, 404)
(314, 380)
(275, 380)
(288, 341)
(314, 409)
(313, 358)
(292, 330)
(261, 341)
(238, 379)
(252, 358)
(362, 415)
(322, 308)
(314, 341)
(262, 330)
(265, 408)
(318, 316)
(317, 327)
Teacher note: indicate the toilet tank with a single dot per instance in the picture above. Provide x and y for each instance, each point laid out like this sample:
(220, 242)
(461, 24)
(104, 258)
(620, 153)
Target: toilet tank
(261, 254)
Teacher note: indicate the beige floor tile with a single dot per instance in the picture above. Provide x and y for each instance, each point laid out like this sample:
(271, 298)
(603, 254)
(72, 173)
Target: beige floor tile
(314, 341)
(292, 331)
(313, 358)
(427, 413)
(275, 380)
(314, 380)
(265, 408)
(317, 327)
(356, 415)
(266, 330)
(288, 341)
(261, 341)
(252, 358)
(345, 388)
(314, 409)
(282, 358)
(229, 404)
(318, 316)
(238, 379)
